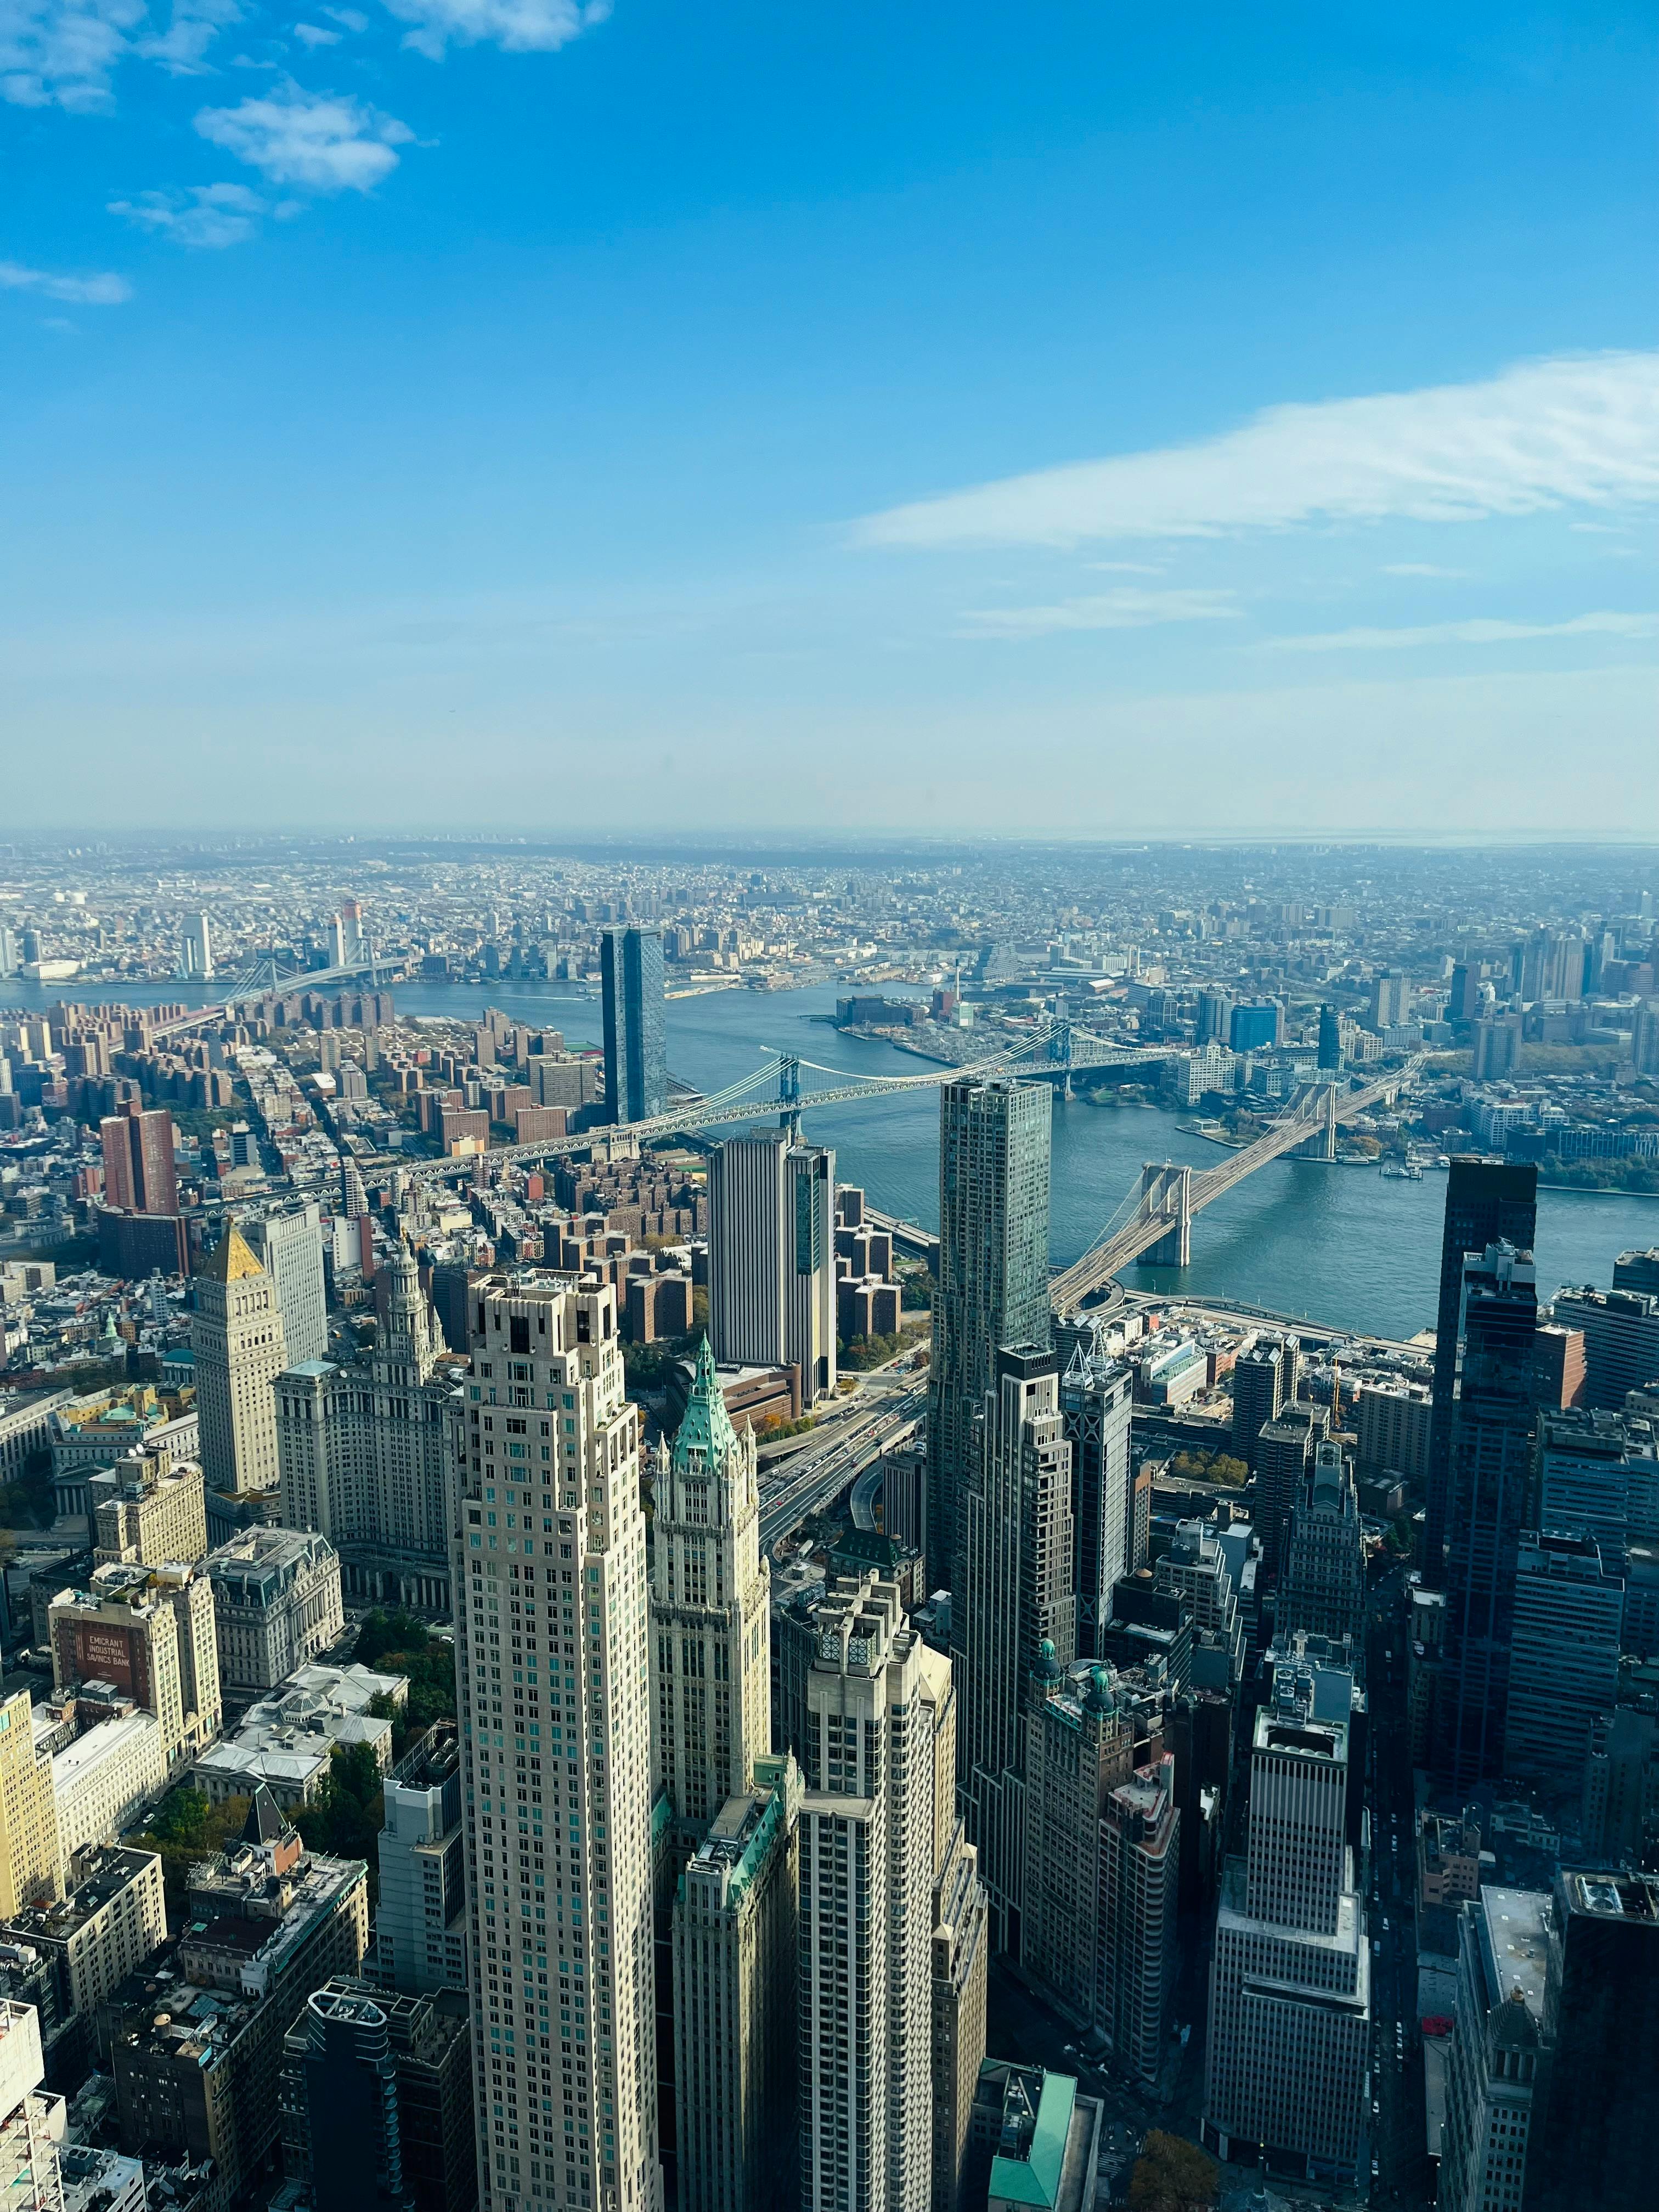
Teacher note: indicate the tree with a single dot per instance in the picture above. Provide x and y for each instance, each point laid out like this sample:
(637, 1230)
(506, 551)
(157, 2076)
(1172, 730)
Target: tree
(184, 1827)
(346, 1815)
(1172, 2175)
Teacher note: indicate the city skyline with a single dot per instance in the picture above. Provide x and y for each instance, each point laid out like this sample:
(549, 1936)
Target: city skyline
(571, 393)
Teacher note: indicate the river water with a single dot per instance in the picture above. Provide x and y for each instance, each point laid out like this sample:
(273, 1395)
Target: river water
(1338, 1244)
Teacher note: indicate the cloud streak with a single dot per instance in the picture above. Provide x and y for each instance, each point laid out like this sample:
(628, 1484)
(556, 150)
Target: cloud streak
(203, 215)
(1547, 434)
(320, 142)
(102, 290)
(1482, 631)
(518, 27)
(1120, 609)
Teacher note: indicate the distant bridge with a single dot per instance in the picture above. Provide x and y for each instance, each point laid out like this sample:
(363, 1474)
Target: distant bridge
(1160, 1224)
(265, 979)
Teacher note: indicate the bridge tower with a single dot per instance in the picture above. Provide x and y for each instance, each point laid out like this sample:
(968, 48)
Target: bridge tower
(1320, 1143)
(1059, 1051)
(789, 1095)
(1166, 1192)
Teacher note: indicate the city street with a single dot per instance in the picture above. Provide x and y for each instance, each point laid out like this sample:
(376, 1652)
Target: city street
(1397, 2124)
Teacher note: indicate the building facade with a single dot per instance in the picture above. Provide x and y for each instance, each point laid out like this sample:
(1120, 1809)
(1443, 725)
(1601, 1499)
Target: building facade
(1096, 1403)
(635, 1040)
(710, 1677)
(1289, 1980)
(867, 1827)
(287, 1241)
(552, 1603)
(1015, 1595)
(1490, 1478)
(1323, 1585)
(772, 1257)
(421, 1926)
(364, 1449)
(236, 1335)
(1495, 2070)
(275, 1606)
(735, 2002)
(994, 1138)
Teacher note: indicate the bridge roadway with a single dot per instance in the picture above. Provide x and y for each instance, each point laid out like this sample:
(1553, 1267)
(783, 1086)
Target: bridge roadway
(1151, 1224)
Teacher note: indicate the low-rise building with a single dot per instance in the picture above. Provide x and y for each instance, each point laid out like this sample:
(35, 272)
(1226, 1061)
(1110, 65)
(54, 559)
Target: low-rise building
(276, 1605)
(1033, 2141)
(1448, 1859)
(286, 1741)
(108, 1924)
(196, 2037)
(106, 1779)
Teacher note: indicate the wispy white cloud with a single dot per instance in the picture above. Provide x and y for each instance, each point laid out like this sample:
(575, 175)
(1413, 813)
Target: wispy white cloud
(320, 142)
(313, 34)
(1126, 608)
(1422, 569)
(102, 290)
(1127, 567)
(181, 49)
(518, 26)
(1550, 434)
(349, 18)
(201, 215)
(1480, 632)
(64, 53)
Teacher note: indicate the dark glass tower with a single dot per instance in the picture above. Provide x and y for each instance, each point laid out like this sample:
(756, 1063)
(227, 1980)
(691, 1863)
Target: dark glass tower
(1487, 1202)
(993, 1137)
(635, 1038)
(1491, 1482)
(1601, 2014)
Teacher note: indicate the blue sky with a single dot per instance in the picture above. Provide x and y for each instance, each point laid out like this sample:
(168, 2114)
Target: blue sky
(507, 413)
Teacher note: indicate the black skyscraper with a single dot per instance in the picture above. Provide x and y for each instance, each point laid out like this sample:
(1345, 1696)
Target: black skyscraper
(1491, 1480)
(1591, 2147)
(636, 1043)
(1487, 1202)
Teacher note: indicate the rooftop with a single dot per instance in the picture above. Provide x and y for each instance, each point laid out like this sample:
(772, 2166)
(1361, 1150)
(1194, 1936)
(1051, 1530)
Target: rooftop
(1515, 1945)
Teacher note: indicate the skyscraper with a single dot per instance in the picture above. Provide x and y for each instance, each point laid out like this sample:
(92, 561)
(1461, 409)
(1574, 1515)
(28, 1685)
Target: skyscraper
(709, 1612)
(772, 1257)
(1621, 1341)
(1330, 1040)
(1096, 1403)
(1494, 2075)
(29, 1818)
(550, 1616)
(237, 1339)
(287, 1241)
(1016, 1594)
(140, 1176)
(867, 1830)
(1487, 1202)
(1264, 1384)
(196, 951)
(1322, 1587)
(1490, 1468)
(735, 2002)
(994, 1273)
(1290, 1981)
(1564, 1655)
(1601, 2014)
(635, 1036)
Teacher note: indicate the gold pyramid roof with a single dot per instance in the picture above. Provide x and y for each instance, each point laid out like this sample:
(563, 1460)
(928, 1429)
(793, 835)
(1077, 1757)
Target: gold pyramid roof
(232, 1260)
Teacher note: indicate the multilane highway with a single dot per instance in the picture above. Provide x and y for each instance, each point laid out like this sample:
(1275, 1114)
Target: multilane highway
(805, 1485)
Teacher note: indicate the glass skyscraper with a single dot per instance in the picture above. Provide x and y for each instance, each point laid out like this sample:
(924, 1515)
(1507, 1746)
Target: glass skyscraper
(993, 1144)
(635, 1039)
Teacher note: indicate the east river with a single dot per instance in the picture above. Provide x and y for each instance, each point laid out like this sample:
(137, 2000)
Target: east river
(1337, 1243)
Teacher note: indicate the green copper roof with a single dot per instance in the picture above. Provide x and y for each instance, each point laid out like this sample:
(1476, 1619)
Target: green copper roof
(706, 1426)
(1034, 2179)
